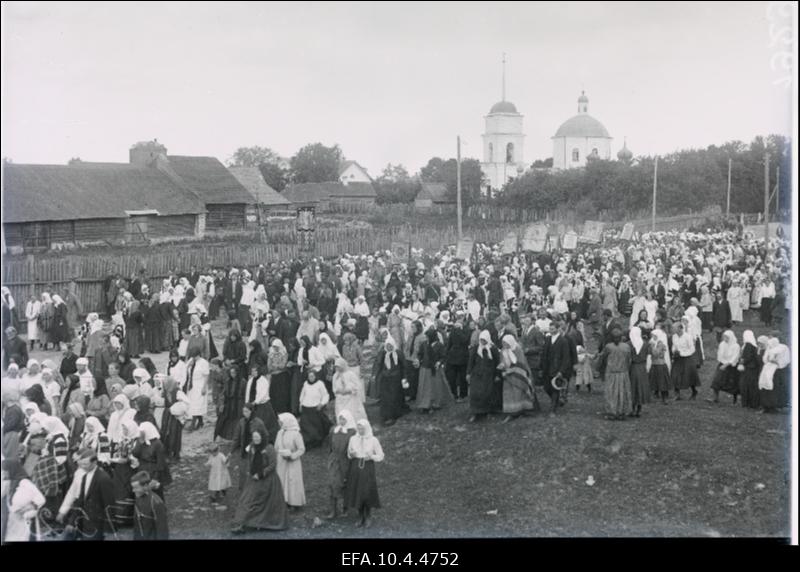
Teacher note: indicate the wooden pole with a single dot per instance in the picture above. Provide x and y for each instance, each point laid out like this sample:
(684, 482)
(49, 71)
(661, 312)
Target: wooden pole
(728, 205)
(778, 192)
(458, 183)
(655, 184)
(766, 201)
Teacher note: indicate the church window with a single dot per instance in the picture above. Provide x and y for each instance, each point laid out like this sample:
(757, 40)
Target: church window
(576, 155)
(510, 153)
(491, 153)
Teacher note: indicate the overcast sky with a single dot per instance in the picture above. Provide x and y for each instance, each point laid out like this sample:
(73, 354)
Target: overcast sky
(387, 82)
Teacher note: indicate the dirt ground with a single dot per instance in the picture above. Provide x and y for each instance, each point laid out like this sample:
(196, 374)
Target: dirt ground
(688, 468)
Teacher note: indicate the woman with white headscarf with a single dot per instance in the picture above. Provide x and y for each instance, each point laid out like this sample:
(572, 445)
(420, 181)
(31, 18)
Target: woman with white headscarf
(346, 389)
(726, 377)
(389, 373)
(734, 300)
(122, 472)
(517, 384)
(280, 377)
(749, 368)
(94, 437)
(338, 462)
(364, 450)
(60, 331)
(31, 377)
(290, 447)
(149, 455)
(32, 310)
(121, 413)
(432, 392)
(21, 499)
(640, 381)
(396, 327)
(329, 354)
(771, 381)
(659, 374)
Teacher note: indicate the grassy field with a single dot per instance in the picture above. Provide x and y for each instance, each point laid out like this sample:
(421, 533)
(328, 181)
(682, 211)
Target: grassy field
(688, 468)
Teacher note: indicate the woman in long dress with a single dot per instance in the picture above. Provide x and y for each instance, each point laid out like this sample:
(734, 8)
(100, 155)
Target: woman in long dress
(32, 310)
(351, 352)
(233, 400)
(196, 387)
(290, 447)
(433, 391)
(749, 369)
(726, 377)
(659, 375)
(338, 461)
(134, 327)
(46, 320)
(261, 504)
(329, 353)
(615, 365)
(771, 381)
(640, 382)
(61, 329)
(517, 384)
(389, 375)
(734, 301)
(172, 425)
(482, 375)
(151, 457)
(122, 513)
(364, 450)
(684, 365)
(280, 377)
(346, 389)
(20, 500)
(314, 424)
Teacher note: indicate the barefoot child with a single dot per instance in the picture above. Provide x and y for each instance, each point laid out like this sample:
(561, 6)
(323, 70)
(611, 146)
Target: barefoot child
(219, 478)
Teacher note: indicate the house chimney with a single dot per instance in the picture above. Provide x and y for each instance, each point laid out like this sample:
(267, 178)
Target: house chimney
(144, 153)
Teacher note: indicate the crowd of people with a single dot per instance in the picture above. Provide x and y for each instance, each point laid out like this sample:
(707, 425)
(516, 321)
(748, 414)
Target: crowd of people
(498, 331)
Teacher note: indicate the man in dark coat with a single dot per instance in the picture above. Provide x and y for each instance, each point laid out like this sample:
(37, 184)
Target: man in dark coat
(533, 342)
(88, 499)
(495, 291)
(557, 360)
(14, 349)
(287, 327)
(150, 513)
(720, 315)
(457, 351)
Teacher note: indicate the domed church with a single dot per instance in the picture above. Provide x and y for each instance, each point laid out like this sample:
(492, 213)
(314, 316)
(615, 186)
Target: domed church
(579, 137)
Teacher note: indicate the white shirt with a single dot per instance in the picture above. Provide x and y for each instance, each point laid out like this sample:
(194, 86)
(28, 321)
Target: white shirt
(314, 395)
(74, 492)
(684, 344)
(262, 390)
(474, 309)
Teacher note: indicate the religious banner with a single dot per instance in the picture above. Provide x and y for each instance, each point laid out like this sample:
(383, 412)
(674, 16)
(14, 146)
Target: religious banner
(592, 232)
(305, 218)
(510, 243)
(535, 238)
(627, 231)
(400, 251)
(569, 241)
(464, 249)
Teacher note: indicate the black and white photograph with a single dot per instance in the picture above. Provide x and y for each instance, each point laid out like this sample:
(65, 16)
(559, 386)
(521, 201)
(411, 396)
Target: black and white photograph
(349, 271)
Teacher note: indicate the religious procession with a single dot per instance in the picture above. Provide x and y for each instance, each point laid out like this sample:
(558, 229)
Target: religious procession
(335, 354)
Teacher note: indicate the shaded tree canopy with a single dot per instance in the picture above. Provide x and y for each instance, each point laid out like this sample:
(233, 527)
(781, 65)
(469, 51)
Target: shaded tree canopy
(316, 163)
(395, 185)
(267, 161)
(440, 171)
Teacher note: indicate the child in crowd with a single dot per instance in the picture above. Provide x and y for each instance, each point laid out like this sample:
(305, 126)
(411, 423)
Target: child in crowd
(219, 478)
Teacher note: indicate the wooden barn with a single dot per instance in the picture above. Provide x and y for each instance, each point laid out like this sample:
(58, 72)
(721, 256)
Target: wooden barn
(268, 200)
(432, 194)
(354, 193)
(60, 206)
(315, 195)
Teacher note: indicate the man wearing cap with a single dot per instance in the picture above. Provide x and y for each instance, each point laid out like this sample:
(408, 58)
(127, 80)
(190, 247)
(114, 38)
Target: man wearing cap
(150, 514)
(90, 495)
(14, 349)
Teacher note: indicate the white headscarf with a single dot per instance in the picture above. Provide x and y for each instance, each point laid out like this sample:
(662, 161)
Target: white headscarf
(635, 336)
(509, 353)
(327, 348)
(365, 447)
(349, 422)
(118, 418)
(749, 338)
(728, 351)
(391, 356)
(486, 350)
(142, 374)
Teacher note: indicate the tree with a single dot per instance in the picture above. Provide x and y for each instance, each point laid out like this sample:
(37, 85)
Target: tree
(395, 185)
(543, 163)
(267, 161)
(316, 163)
(74, 161)
(440, 171)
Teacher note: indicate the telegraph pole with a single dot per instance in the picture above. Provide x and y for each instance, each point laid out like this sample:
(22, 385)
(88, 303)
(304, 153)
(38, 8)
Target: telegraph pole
(655, 184)
(766, 200)
(778, 192)
(728, 207)
(458, 183)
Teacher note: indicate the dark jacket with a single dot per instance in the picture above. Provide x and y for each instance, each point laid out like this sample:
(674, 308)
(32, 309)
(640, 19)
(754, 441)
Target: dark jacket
(150, 518)
(99, 496)
(16, 349)
(721, 314)
(557, 358)
(457, 349)
(533, 343)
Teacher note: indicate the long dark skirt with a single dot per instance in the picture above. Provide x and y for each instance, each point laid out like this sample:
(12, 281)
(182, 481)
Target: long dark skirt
(748, 388)
(212, 347)
(361, 487)
(314, 426)
(134, 340)
(261, 504)
(228, 420)
(517, 392)
(778, 396)
(766, 310)
(660, 379)
(280, 392)
(167, 336)
(640, 384)
(726, 380)
(295, 389)
(362, 328)
(392, 397)
(266, 413)
(171, 434)
(153, 332)
(707, 321)
(684, 372)
(481, 389)
(124, 499)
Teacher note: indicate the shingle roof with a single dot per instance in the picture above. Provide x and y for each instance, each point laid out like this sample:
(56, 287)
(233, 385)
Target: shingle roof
(252, 180)
(210, 180)
(354, 189)
(308, 192)
(60, 192)
(437, 192)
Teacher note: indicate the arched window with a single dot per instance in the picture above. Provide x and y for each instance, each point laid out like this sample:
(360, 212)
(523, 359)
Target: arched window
(576, 155)
(510, 153)
(491, 153)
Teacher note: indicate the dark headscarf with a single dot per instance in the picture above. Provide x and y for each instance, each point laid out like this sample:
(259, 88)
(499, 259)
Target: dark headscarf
(258, 451)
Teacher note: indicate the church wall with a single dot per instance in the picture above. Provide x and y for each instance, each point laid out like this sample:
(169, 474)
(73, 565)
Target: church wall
(563, 146)
(504, 124)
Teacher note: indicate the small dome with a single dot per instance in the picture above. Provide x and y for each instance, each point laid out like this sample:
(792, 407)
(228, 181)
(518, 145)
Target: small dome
(625, 154)
(582, 125)
(503, 107)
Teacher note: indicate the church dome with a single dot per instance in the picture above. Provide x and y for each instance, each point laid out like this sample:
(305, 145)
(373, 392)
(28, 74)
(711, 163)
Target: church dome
(503, 107)
(625, 154)
(582, 125)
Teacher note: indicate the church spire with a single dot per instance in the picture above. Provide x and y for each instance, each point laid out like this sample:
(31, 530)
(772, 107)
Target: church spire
(504, 77)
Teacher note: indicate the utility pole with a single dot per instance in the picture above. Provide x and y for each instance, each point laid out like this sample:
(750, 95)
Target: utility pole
(778, 192)
(458, 183)
(766, 200)
(655, 184)
(728, 207)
